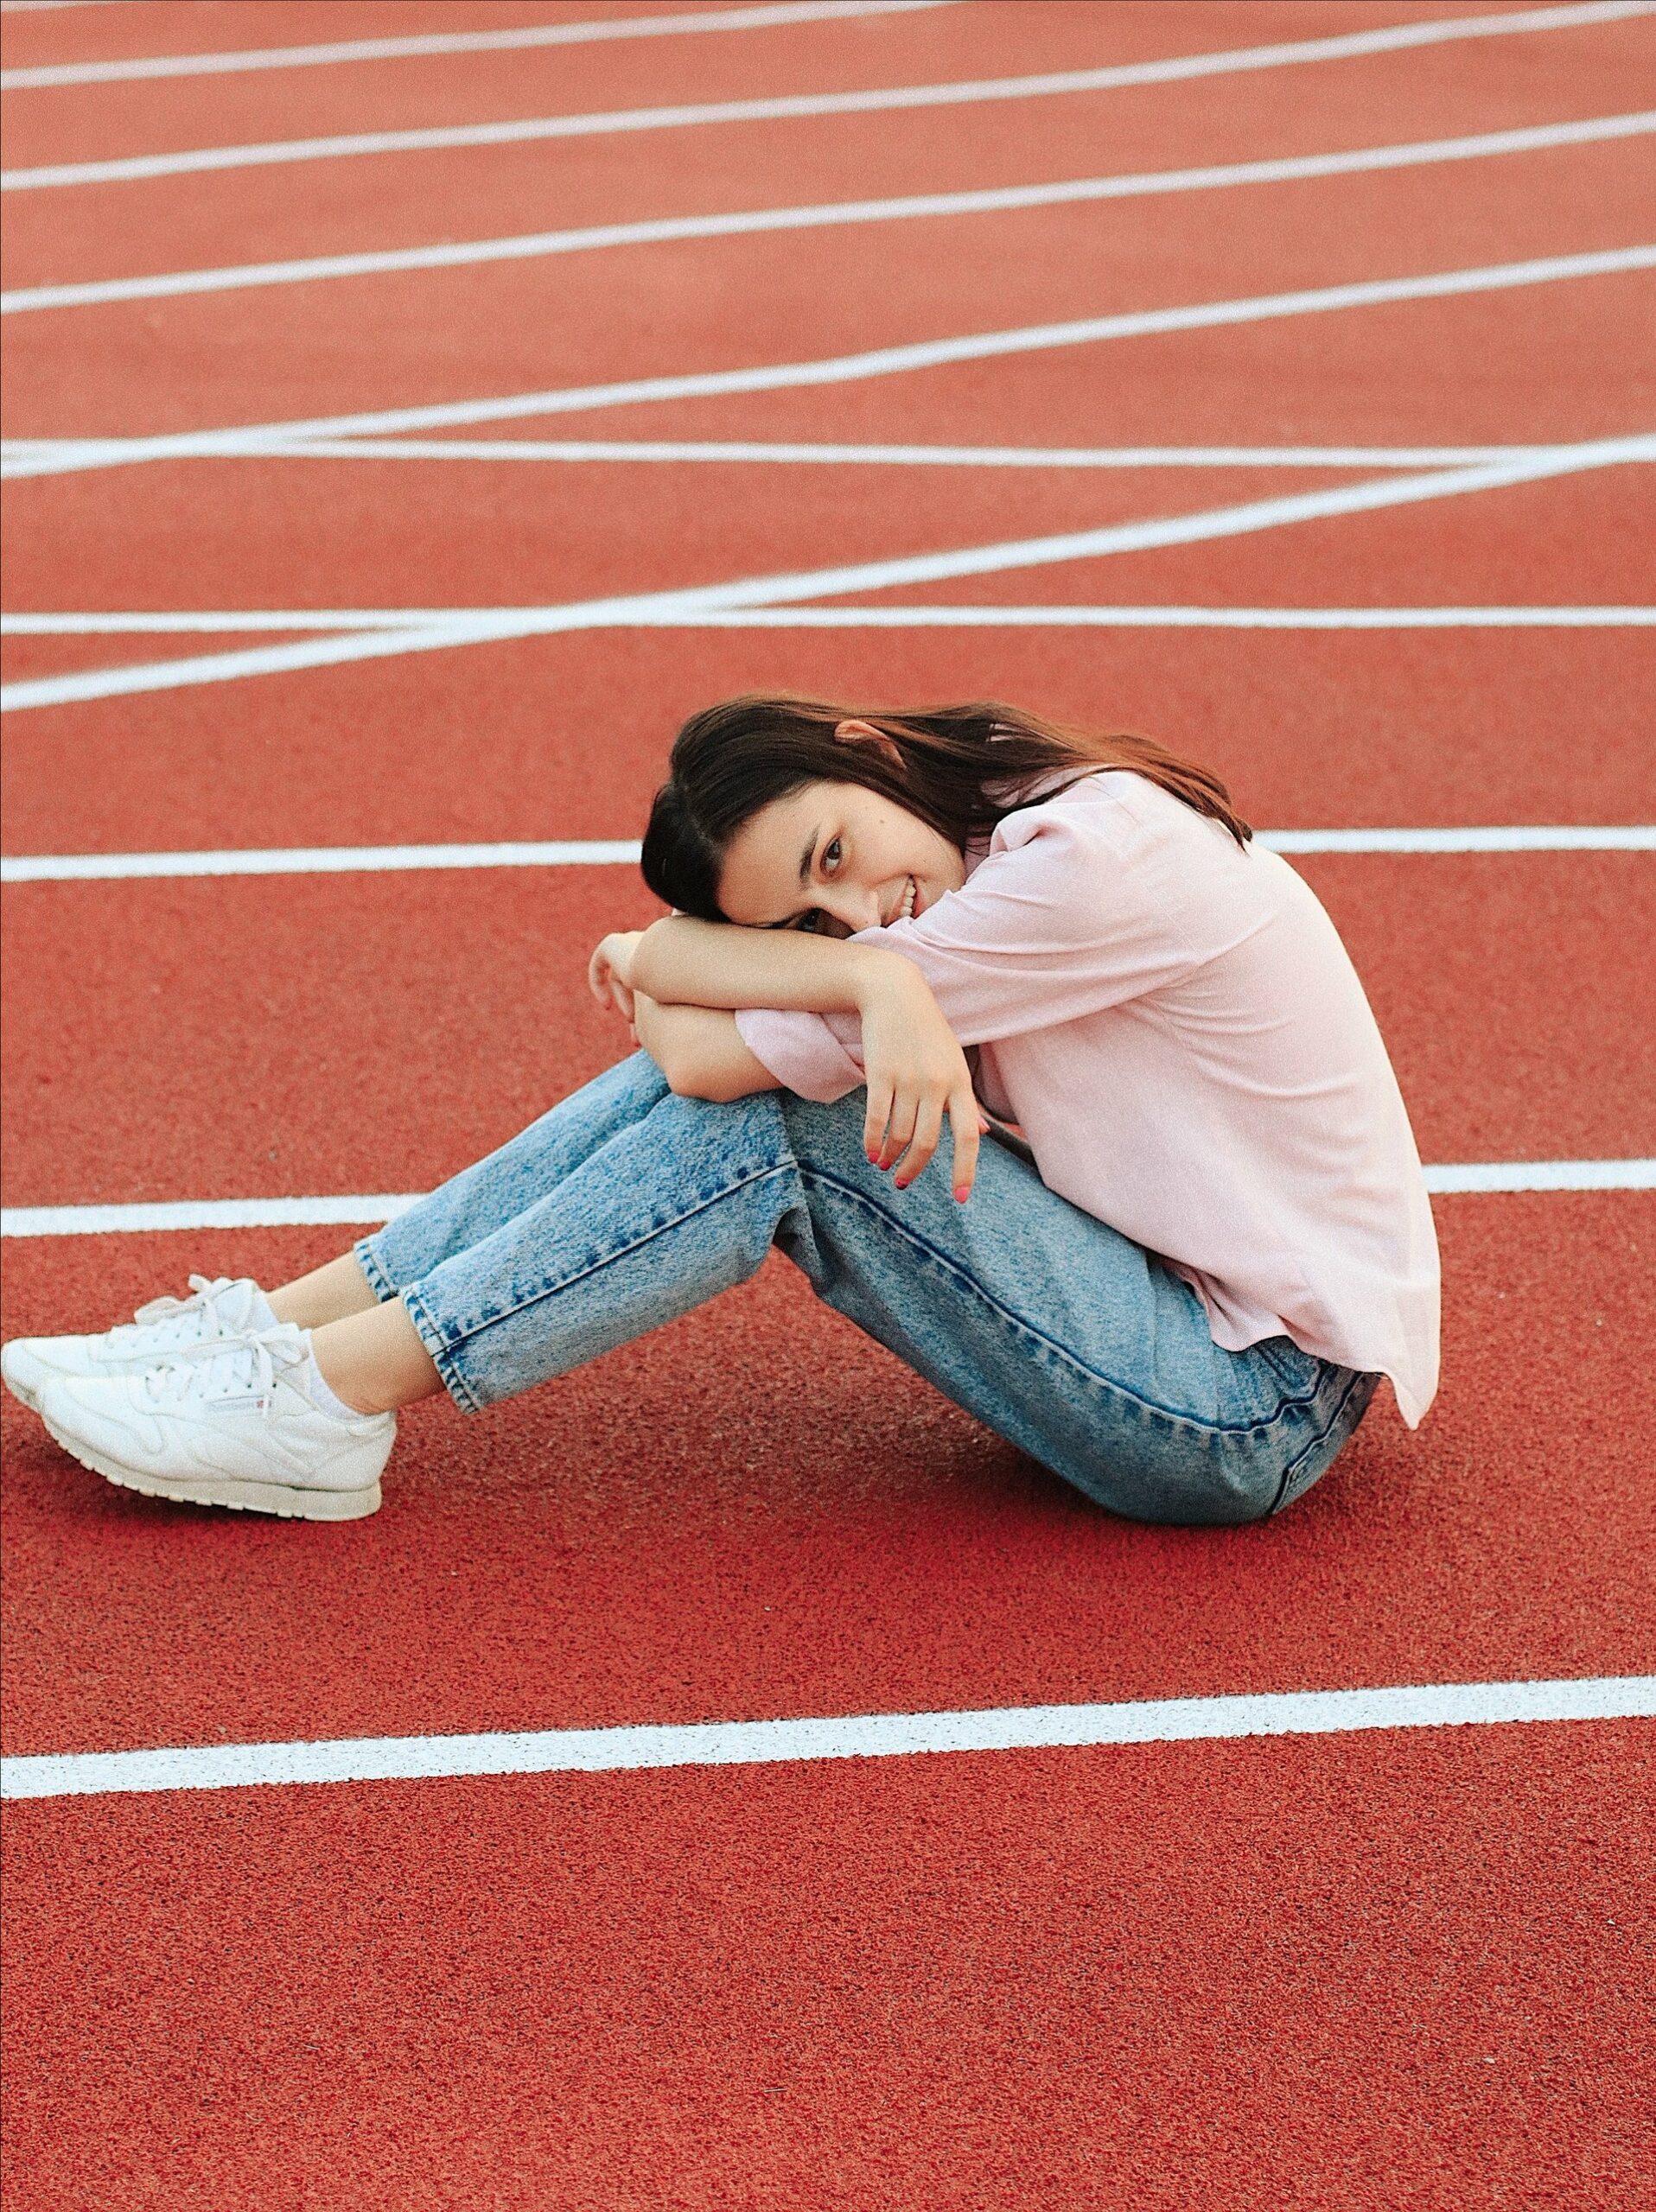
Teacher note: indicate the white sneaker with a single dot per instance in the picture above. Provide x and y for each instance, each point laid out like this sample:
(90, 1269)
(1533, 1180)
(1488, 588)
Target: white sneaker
(220, 1310)
(225, 1424)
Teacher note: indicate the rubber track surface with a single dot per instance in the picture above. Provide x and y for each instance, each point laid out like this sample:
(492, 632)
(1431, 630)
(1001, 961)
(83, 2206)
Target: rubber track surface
(1393, 1970)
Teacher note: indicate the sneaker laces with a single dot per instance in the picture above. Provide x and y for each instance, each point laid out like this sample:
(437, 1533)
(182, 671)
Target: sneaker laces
(211, 1325)
(245, 1366)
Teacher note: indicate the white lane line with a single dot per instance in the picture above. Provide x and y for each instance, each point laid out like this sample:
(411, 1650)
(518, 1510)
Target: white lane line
(855, 1736)
(203, 1213)
(538, 245)
(1630, 837)
(967, 614)
(473, 627)
(355, 860)
(1469, 1178)
(656, 25)
(884, 100)
(1475, 1178)
(970, 616)
(204, 621)
(340, 860)
(59, 455)
(1391, 39)
(839, 456)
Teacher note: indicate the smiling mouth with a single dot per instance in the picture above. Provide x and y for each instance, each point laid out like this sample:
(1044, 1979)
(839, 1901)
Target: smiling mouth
(908, 904)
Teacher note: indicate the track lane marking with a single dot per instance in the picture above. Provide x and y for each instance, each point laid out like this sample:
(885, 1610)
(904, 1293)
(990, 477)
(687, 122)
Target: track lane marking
(464, 627)
(536, 245)
(783, 107)
(57, 456)
(881, 456)
(1463, 1178)
(52, 75)
(351, 859)
(858, 1736)
(207, 621)
(1392, 39)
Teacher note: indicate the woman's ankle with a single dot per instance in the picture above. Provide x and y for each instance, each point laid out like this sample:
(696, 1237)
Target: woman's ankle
(333, 1292)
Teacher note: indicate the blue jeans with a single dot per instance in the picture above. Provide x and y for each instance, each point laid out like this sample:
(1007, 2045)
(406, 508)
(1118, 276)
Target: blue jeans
(625, 1206)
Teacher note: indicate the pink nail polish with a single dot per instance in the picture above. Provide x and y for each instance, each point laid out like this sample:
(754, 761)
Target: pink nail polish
(962, 1193)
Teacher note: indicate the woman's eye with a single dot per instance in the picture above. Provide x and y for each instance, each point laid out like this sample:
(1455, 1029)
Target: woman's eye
(832, 847)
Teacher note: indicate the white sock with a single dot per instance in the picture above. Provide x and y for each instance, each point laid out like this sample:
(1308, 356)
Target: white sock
(321, 1393)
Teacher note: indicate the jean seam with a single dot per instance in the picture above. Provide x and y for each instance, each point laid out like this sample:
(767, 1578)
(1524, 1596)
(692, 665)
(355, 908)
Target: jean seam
(1321, 1438)
(373, 1271)
(442, 1354)
(1016, 1321)
(617, 1252)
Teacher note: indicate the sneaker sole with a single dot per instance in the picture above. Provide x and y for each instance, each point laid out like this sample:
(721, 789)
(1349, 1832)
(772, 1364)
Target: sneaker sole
(281, 1498)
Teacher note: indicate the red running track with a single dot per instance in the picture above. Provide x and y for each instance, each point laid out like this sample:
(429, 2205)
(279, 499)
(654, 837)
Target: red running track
(1311, 730)
(1247, 1973)
(332, 1025)
(758, 1512)
(1344, 1972)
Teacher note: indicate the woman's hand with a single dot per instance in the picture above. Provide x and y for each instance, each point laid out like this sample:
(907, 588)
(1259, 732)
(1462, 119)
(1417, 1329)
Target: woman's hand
(916, 1073)
(610, 971)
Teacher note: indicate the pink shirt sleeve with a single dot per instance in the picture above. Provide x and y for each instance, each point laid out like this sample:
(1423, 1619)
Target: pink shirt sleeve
(1075, 907)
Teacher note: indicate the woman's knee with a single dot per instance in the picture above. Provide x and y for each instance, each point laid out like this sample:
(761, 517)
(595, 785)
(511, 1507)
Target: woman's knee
(1174, 1473)
(831, 1136)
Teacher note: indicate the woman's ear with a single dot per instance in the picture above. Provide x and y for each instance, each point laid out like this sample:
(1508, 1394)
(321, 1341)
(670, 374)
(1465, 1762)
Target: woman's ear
(855, 732)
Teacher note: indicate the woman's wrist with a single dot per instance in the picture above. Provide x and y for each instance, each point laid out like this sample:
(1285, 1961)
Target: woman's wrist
(884, 975)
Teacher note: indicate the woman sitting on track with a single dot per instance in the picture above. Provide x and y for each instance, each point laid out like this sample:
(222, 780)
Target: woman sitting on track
(1179, 1293)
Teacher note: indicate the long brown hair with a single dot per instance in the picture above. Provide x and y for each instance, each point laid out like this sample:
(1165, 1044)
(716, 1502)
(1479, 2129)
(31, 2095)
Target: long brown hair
(731, 759)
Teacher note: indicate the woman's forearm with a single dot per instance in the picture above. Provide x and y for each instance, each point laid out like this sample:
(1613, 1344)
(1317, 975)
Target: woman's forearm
(698, 1050)
(683, 962)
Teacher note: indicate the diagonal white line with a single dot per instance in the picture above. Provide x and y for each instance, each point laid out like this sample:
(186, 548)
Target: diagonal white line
(163, 1217)
(856, 1735)
(56, 456)
(882, 100)
(658, 25)
(341, 860)
(836, 456)
(461, 627)
(538, 245)
(1393, 39)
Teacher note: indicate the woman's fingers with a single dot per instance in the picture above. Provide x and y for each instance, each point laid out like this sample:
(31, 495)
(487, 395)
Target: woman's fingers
(928, 1127)
(967, 1123)
(874, 1125)
(905, 1111)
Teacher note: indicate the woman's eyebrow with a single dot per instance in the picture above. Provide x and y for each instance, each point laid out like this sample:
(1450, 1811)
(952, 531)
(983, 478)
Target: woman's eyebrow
(805, 878)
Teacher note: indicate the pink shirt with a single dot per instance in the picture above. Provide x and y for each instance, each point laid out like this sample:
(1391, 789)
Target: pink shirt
(1179, 1031)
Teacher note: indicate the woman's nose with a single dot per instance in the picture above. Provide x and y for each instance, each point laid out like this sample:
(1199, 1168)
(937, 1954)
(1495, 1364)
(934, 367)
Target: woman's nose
(858, 910)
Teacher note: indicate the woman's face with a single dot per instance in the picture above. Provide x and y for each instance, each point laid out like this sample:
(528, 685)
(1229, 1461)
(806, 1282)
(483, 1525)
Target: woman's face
(836, 858)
